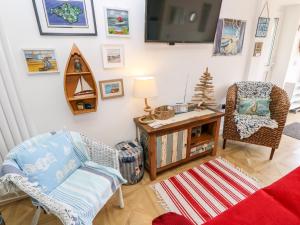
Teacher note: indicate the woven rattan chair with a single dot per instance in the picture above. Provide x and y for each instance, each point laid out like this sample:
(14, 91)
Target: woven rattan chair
(279, 108)
(99, 153)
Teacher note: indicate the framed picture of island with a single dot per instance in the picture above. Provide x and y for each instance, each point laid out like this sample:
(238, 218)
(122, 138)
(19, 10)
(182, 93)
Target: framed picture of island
(65, 17)
(117, 22)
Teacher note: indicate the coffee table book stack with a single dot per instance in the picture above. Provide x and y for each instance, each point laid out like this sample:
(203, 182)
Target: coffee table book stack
(180, 142)
(79, 84)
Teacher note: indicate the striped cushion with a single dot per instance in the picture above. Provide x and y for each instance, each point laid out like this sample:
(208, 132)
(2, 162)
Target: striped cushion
(86, 190)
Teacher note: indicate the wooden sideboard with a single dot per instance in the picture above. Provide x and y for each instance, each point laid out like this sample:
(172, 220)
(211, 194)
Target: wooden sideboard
(177, 143)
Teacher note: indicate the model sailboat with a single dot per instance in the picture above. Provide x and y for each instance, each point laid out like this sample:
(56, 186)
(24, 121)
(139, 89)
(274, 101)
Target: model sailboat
(83, 89)
(80, 86)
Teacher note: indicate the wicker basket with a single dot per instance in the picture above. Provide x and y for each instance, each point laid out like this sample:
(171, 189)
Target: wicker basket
(164, 112)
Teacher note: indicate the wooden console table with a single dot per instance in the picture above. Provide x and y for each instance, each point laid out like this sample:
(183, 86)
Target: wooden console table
(180, 142)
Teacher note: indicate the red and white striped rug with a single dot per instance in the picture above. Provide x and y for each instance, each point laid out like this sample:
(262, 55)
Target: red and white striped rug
(204, 192)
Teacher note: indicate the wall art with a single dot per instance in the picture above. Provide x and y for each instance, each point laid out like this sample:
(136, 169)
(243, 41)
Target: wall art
(113, 56)
(229, 38)
(258, 49)
(262, 27)
(111, 88)
(263, 22)
(40, 61)
(117, 22)
(65, 17)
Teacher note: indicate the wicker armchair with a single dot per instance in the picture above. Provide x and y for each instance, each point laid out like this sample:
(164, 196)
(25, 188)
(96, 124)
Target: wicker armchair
(279, 108)
(12, 177)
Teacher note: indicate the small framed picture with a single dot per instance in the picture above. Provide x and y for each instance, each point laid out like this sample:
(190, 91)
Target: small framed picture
(65, 17)
(41, 61)
(262, 27)
(117, 22)
(258, 49)
(111, 88)
(113, 56)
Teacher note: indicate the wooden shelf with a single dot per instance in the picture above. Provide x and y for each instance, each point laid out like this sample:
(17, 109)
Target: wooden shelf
(82, 98)
(78, 74)
(77, 112)
(71, 83)
(203, 139)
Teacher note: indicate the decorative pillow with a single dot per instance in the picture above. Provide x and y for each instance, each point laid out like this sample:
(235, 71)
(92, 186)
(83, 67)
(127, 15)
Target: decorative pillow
(254, 106)
(80, 147)
(49, 162)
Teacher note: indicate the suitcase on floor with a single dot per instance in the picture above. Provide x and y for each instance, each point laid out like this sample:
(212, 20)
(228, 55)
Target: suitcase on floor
(131, 160)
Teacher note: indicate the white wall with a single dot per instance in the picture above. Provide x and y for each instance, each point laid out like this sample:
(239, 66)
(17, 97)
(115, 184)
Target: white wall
(293, 72)
(258, 65)
(43, 95)
(288, 13)
(287, 37)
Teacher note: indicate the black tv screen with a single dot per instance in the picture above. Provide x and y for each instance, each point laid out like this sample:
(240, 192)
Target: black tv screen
(180, 21)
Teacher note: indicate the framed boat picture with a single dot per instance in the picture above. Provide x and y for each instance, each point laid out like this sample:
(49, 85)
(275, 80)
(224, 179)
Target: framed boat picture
(41, 61)
(65, 17)
(111, 88)
(117, 22)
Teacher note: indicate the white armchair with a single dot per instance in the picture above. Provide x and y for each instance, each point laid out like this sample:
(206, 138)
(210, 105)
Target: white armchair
(101, 155)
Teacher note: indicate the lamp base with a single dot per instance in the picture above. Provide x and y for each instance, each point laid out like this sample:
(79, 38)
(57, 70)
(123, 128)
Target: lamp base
(146, 119)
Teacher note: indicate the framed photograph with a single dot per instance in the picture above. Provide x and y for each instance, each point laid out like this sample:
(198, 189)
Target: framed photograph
(65, 17)
(117, 22)
(113, 56)
(111, 88)
(229, 39)
(262, 27)
(41, 61)
(258, 49)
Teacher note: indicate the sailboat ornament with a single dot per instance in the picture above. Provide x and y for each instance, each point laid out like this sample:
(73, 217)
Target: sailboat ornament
(82, 88)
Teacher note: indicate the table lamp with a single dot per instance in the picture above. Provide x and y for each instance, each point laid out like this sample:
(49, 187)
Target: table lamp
(145, 87)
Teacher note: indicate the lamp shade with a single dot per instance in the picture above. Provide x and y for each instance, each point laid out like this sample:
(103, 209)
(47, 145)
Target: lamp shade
(145, 87)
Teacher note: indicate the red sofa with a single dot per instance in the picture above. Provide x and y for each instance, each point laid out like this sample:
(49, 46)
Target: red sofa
(277, 204)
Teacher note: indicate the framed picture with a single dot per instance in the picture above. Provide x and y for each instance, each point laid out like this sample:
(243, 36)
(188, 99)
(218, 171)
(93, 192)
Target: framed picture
(262, 27)
(113, 56)
(65, 17)
(258, 49)
(40, 61)
(111, 88)
(117, 22)
(229, 39)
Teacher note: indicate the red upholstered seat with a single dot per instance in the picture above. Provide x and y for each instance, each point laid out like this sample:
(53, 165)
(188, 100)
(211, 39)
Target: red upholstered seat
(171, 219)
(277, 204)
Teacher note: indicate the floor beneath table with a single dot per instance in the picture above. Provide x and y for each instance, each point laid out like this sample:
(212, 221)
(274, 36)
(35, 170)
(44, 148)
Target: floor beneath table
(141, 205)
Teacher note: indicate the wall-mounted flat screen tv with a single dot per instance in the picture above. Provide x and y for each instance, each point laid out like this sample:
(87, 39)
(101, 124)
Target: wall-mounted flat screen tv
(182, 21)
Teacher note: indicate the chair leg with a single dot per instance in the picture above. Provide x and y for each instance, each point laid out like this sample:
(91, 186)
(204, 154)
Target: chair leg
(36, 216)
(121, 199)
(224, 143)
(272, 153)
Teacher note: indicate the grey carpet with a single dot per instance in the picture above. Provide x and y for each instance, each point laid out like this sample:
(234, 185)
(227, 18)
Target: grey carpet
(292, 130)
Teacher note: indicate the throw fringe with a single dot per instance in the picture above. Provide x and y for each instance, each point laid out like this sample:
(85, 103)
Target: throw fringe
(160, 199)
(241, 171)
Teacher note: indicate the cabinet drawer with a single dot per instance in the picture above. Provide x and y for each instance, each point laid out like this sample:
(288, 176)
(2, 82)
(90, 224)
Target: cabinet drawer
(171, 148)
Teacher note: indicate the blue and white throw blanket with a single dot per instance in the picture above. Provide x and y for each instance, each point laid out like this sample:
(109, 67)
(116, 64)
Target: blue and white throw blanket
(250, 124)
(77, 200)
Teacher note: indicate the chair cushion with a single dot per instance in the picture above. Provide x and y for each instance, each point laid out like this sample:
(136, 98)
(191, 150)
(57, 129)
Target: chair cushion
(86, 190)
(48, 162)
(171, 219)
(254, 106)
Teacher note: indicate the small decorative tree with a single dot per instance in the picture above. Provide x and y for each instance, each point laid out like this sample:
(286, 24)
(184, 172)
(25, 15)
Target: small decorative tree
(204, 91)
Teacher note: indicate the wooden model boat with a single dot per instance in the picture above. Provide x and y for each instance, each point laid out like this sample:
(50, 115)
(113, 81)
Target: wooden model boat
(79, 83)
